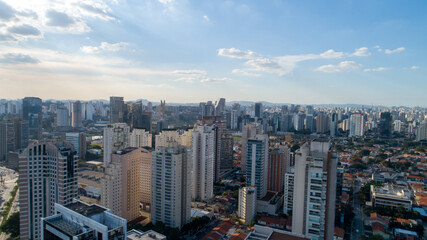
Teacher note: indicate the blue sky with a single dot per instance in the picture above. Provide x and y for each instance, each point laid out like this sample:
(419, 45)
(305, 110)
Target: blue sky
(308, 52)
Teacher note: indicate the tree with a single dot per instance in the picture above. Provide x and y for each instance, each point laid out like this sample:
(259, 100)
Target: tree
(365, 152)
(11, 225)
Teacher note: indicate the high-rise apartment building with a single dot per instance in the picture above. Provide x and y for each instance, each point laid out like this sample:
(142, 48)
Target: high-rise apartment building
(385, 125)
(171, 185)
(117, 109)
(356, 125)
(62, 117)
(203, 161)
(146, 168)
(116, 137)
(46, 176)
(140, 138)
(309, 122)
(421, 133)
(121, 183)
(248, 131)
(333, 128)
(257, 164)
(220, 107)
(32, 112)
(247, 204)
(13, 136)
(314, 192)
(278, 160)
(322, 123)
(79, 142)
(288, 196)
(76, 115)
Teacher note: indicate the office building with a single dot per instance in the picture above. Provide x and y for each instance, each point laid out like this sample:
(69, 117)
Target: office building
(32, 112)
(117, 110)
(248, 131)
(116, 137)
(309, 122)
(356, 125)
(76, 115)
(286, 122)
(247, 204)
(203, 162)
(257, 164)
(314, 192)
(140, 138)
(391, 195)
(220, 107)
(13, 136)
(385, 125)
(171, 185)
(333, 128)
(46, 176)
(269, 233)
(79, 220)
(278, 159)
(298, 121)
(62, 117)
(121, 183)
(258, 110)
(79, 142)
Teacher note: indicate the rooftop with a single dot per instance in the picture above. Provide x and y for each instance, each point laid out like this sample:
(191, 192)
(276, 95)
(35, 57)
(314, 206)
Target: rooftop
(66, 226)
(85, 209)
(149, 235)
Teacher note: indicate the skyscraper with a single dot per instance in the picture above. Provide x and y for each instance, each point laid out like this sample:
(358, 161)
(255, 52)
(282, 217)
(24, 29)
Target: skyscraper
(421, 133)
(121, 183)
(248, 131)
(32, 112)
(46, 176)
(171, 186)
(140, 138)
(314, 192)
(334, 125)
(117, 110)
(13, 136)
(356, 125)
(258, 110)
(220, 107)
(203, 162)
(322, 123)
(385, 125)
(76, 115)
(309, 122)
(257, 164)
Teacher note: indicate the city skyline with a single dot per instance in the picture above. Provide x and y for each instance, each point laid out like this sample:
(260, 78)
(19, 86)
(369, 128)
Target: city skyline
(190, 51)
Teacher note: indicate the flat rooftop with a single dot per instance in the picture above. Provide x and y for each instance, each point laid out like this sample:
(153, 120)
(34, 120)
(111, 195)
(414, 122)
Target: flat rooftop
(84, 209)
(66, 226)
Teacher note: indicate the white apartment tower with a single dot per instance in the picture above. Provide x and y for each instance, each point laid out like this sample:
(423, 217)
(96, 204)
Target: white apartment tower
(203, 162)
(314, 192)
(257, 164)
(46, 176)
(171, 185)
(140, 138)
(356, 125)
(247, 204)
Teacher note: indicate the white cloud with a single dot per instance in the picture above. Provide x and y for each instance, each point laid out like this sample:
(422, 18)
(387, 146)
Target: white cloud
(245, 72)
(361, 52)
(214, 80)
(379, 69)
(111, 47)
(332, 54)
(237, 53)
(165, 1)
(414, 67)
(206, 18)
(341, 67)
(390, 51)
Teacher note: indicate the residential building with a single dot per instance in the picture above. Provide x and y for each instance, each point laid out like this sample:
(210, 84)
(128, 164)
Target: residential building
(76, 115)
(247, 204)
(421, 133)
(116, 137)
(277, 167)
(203, 161)
(288, 196)
(32, 112)
(269, 233)
(322, 123)
(79, 220)
(356, 125)
(13, 136)
(62, 117)
(140, 138)
(47, 175)
(171, 185)
(258, 110)
(257, 163)
(121, 183)
(314, 192)
(249, 131)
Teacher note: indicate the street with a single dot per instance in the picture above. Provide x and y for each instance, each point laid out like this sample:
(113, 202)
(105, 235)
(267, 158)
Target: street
(357, 225)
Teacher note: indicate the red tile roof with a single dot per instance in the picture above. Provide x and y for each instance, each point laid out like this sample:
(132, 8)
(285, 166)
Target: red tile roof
(212, 236)
(377, 227)
(237, 236)
(339, 232)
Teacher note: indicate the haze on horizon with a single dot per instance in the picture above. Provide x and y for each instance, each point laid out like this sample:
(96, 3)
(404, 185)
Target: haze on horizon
(334, 52)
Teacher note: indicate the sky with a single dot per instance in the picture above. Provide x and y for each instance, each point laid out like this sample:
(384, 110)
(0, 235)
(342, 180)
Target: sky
(306, 52)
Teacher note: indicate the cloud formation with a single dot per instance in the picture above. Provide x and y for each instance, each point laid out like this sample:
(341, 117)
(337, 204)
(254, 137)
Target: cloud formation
(24, 30)
(105, 46)
(390, 51)
(6, 11)
(17, 58)
(245, 72)
(414, 67)
(379, 69)
(97, 11)
(362, 52)
(58, 19)
(341, 67)
(237, 53)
